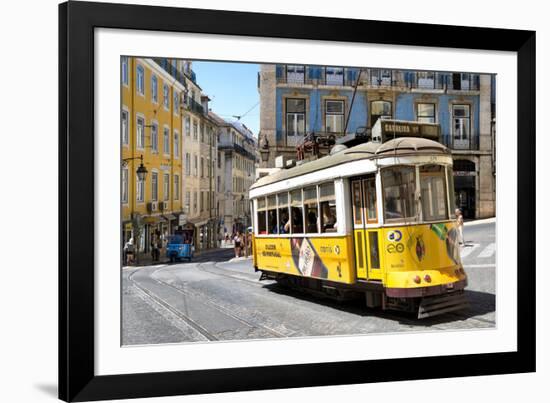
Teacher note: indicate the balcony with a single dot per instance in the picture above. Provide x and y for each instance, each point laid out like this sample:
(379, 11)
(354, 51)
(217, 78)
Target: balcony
(171, 69)
(194, 106)
(377, 78)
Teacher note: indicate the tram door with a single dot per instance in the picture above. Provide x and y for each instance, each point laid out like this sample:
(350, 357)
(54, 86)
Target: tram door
(365, 231)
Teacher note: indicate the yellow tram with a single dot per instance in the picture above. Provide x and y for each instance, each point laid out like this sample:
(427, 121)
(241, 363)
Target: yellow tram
(376, 220)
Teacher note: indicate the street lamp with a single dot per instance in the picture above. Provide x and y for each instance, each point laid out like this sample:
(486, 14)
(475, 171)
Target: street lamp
(141, 171)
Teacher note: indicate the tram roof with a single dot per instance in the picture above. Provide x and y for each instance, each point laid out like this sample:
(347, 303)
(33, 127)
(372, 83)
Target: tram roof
(399, 146)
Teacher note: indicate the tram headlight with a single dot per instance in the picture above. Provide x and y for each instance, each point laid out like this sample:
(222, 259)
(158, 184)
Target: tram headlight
(417, 279)
(427, 278)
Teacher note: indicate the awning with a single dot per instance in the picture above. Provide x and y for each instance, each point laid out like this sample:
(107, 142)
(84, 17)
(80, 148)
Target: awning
(199, 223)
(169, 217)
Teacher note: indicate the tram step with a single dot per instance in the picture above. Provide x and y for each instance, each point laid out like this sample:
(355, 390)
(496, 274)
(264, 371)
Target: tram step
(433, 306)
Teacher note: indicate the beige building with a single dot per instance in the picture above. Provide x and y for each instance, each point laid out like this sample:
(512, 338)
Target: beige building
(238, 157)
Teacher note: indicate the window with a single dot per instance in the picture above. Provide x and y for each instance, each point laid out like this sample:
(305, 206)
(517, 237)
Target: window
(124, 182)
(124, 73)
(295, 117)
(140, 80)
(140, 190)
(399, 194)
(176, 187)
(187, 126)
(295, 74)
(379, 110)
(425, 113)
(202, 167)
(262, 222)
(334, 76)
(202, 201)
(425, 79)
(272, 215)
(380, 77)
(334, 116)
(176, 145)
(202, 133)
(369, 188)
(327, 201)
(154, 138)
(154, 186)
(187, 202)
(219, 160)
(461, 123)
(187, 164)
(297, 218)
(195, 165)
(176, 102)
(195, 130)
(124, 118)
(154, 89)
(166, 186)
(195, 202)
(166, 97)
(357, 202)
(140, 133)
(433, 192)
(311, 211)
(166, 140)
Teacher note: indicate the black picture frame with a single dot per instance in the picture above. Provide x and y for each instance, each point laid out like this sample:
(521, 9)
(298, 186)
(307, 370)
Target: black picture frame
(77, 21)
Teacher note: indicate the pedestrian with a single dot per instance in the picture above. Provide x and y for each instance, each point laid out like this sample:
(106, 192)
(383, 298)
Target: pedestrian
(459, 226)
(237, 240)
(129, 252)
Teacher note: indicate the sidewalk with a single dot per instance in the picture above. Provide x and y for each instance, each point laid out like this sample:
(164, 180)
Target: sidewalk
(480, 221)
(145, 259)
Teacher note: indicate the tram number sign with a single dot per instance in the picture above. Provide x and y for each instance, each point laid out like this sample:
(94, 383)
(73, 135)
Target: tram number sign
(395, 248)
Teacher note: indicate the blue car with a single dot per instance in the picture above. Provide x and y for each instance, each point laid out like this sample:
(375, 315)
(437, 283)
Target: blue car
(180, 246)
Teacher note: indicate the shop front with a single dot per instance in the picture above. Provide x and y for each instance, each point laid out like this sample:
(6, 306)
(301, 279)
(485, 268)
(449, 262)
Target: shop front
(465, 187)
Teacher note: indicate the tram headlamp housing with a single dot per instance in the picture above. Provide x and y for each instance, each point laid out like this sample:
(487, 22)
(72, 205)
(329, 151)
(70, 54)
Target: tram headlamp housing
(417, 279)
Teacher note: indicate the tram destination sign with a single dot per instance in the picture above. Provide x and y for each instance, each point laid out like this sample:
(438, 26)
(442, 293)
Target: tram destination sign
(387, 129)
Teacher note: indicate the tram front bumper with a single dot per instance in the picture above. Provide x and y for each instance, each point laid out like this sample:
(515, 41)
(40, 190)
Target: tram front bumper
(416, 292)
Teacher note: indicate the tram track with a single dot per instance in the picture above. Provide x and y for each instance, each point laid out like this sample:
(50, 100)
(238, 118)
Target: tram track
(205, 302)
(174, 311)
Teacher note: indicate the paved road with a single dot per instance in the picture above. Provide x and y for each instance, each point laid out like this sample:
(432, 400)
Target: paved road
(216, 299)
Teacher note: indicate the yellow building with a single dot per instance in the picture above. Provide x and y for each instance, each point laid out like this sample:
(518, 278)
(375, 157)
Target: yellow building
(151, 116)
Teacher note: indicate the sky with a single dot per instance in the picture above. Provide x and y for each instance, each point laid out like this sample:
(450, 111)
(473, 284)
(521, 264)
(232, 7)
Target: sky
(232, 88)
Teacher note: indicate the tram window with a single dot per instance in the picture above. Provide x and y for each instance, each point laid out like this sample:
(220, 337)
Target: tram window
(370, 199)
(262, 227)
(327, 201)
(311, 210)
(284, 220)
(297, 218)
(357, 206)
(399, 190)
(272, 215)
(434, 195)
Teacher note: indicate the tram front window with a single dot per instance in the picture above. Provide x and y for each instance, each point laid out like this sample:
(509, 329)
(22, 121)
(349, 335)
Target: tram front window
(434, 195)
(399, 189)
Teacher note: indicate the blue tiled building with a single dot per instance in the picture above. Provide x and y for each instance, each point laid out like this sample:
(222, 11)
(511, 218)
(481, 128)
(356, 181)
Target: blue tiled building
(296, 100)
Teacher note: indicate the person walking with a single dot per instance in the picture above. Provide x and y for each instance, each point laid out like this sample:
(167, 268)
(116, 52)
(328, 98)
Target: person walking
(459, 226)
(238, 241)
(129, 252)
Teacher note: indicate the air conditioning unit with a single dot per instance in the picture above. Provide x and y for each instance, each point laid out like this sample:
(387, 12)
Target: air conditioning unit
(152, 206)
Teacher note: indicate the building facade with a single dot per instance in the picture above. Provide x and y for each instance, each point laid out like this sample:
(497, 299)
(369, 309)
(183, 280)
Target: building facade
(150, 135)
(237, 148)
(345, 103)
(165, 126)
